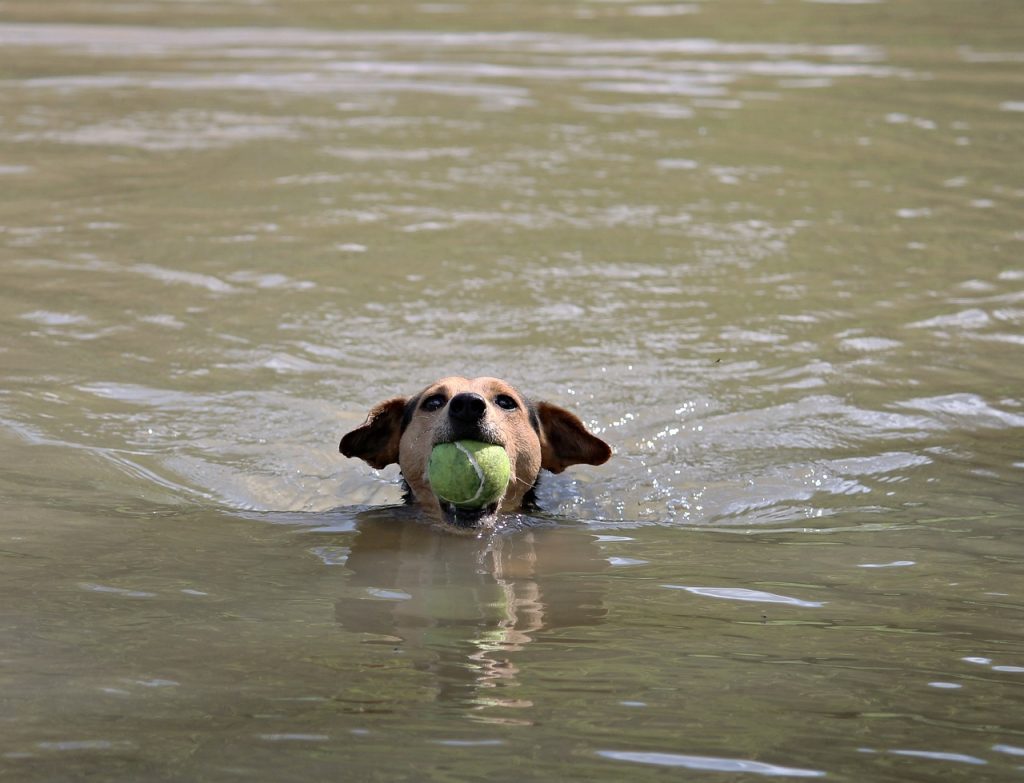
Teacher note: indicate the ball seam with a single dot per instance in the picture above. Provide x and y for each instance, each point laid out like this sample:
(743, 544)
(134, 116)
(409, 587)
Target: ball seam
(479, 473)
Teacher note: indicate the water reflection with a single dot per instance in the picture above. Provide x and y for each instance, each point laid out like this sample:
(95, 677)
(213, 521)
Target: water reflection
(462, 607)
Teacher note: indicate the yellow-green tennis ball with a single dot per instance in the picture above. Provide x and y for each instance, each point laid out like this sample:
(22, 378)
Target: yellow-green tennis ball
(469, 473)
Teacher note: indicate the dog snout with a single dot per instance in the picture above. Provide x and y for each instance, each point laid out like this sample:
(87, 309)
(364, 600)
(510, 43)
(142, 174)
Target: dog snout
(467, 408)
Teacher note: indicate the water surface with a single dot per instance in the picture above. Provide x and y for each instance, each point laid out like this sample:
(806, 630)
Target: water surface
(772, 253)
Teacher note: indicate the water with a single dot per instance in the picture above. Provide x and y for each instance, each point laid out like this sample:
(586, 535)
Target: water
(771, 253)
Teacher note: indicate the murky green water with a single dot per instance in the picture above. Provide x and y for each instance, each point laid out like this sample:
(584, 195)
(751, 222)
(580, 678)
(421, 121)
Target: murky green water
(772, 252)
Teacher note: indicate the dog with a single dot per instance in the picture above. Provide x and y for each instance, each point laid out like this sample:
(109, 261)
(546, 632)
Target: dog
(535, 435)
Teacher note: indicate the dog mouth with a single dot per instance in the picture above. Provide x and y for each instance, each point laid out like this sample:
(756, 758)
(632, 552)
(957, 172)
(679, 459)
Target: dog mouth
(482, 435)
(467, 518)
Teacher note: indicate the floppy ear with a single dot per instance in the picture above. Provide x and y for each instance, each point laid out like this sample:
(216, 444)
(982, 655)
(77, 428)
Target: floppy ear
(564, 441)
(376, 441)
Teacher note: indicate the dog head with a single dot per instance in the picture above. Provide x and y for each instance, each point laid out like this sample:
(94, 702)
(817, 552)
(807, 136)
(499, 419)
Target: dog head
(535, 436)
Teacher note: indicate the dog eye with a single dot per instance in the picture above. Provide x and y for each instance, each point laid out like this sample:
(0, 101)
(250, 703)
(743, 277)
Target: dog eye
(506, 402)
(433, 402)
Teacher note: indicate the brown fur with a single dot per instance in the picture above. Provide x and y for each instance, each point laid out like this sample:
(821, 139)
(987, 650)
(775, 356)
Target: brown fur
(405, 431)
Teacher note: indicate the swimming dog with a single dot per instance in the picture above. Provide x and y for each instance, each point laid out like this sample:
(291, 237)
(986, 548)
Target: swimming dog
(535, 435)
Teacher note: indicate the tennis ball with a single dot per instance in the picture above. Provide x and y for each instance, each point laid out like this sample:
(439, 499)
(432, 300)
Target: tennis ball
(469, 473)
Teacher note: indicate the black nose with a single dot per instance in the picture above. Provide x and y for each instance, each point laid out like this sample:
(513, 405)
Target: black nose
(467, 407)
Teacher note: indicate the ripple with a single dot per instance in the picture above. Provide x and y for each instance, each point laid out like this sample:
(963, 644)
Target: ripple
(959, 758)
(179, 277)
(870, 344)
(51, 318)
(274, 280)
(664, 110)
(137, 40)
(744, 594)
(174, 131)
(383, 594)
(701, 72)
(964, 410)
(136, 394)
(626, 561)
(493, 96)
(878, 464)
(403, 155)
(294, 737)
(678, 164)
(93, 744)
(95, 588)
(965, 319)
(331, 555)
(709, 763)
(663, 9)
(157, 683)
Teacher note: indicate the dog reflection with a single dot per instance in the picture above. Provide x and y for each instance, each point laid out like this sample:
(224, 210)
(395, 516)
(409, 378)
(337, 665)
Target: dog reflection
(459, 606)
